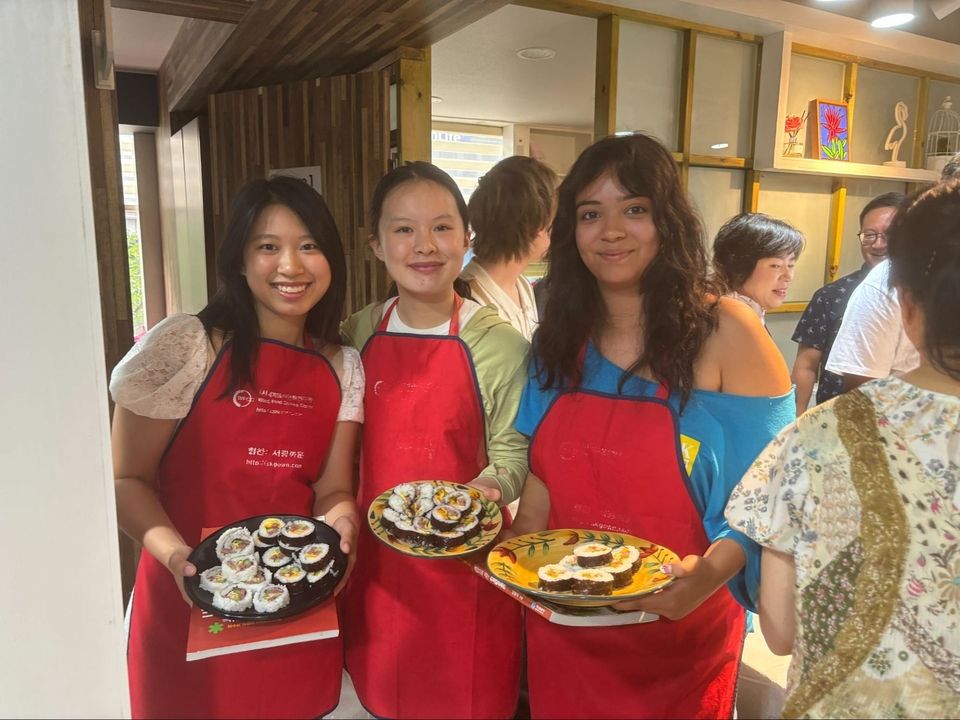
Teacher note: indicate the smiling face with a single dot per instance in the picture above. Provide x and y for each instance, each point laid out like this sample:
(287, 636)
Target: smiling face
(770, 280)
(875, 223)
(616, 236)
(285, 269)
(422, 240)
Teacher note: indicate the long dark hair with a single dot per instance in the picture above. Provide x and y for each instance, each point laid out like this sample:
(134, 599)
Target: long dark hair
(677, 316)
(425, 172)
(231, 310)
(746, 238)
(924, 246)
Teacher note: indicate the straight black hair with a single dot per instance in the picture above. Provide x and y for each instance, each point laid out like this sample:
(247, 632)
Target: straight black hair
(888, 199)
(231, 311)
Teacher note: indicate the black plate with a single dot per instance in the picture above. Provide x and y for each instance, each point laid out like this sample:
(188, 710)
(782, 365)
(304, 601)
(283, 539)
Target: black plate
(204, 557)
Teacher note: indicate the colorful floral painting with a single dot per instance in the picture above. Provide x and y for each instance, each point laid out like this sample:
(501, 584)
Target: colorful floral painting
(832, 132)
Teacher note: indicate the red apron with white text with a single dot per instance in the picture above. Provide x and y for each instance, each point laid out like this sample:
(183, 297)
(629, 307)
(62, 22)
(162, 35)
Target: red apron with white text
(425, 638)
(257, 451)
(614, 462)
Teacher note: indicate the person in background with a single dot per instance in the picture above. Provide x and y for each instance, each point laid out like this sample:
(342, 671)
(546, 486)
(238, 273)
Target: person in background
(510, 213)
(430, 638)
(857, 506)
(190, 430)
(754, 256)
(820, 322)
(647, 398)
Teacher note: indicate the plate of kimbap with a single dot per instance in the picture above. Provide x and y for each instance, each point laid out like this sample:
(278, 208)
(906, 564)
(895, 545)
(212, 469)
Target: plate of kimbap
(266, 567)
(582, 568)
(434, 519)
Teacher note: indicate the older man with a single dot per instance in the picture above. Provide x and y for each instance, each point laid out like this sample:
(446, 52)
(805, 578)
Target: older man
(820, 322)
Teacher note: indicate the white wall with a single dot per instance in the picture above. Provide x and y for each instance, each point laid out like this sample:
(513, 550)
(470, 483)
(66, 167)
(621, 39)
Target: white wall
(61, 639)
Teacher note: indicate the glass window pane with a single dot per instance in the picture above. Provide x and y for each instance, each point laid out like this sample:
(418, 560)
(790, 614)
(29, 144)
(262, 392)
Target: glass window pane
(717, 193)
(724, 88)
(859, 193)
(878, 92)
(648, 80)
(466, 152)
(804, 202)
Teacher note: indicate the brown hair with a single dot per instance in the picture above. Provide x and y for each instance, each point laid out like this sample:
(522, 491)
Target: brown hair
(513, 202)
(677, 317)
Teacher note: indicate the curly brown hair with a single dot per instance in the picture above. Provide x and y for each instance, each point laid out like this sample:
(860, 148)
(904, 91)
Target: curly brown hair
(677, 315)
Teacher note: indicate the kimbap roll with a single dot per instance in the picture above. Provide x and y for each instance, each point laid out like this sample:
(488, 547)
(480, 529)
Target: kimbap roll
(214, 580)
(469, 526)
(271, 598)
(445, 517)
(399, 503)
(262, 578)
(315, 556)
(298, 533)
(460, 499)
(629, 553)
(318, 575)
(259, 544)
(291, 576)
(591, 581)
(235, 598)
(555, 578)
(592, 554)
(234, 541)
(388, 518)
(408, 491)
(622, 572)
(241, 569)
(275, 558)
(449, 538)
(270, 529)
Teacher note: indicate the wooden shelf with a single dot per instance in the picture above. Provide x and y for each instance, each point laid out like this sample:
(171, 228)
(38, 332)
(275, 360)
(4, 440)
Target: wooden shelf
(841, 168)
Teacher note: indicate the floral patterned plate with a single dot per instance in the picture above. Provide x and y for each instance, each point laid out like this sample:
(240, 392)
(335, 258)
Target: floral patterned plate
(429, 541)
(517, 560)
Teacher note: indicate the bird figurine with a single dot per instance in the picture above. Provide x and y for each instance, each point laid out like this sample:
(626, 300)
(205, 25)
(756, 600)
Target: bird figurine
(898, 131)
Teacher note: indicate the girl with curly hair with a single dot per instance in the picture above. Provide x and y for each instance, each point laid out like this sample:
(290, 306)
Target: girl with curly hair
(648, 396)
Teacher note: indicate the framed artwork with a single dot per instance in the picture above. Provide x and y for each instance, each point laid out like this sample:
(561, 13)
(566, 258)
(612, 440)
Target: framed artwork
(827, 135)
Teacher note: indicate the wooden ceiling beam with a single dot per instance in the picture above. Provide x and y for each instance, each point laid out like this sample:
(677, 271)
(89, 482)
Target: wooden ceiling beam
(280, 41)
(225, 11)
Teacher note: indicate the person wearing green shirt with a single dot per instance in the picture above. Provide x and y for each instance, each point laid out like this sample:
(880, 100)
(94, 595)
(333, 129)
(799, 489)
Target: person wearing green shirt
(443, 382)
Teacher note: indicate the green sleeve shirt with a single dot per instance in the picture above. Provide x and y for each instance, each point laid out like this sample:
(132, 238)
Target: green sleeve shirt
(499, 355)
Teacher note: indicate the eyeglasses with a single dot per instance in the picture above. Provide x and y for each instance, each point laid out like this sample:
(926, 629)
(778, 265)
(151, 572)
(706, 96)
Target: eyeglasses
(870, 237)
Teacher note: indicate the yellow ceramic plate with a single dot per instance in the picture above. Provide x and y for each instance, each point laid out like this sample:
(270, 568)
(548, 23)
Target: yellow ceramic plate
(402, 539)
(517, 560)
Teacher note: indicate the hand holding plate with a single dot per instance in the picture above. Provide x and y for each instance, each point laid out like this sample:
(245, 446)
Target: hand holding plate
(180, 567)
(696, 581)
(488, 486)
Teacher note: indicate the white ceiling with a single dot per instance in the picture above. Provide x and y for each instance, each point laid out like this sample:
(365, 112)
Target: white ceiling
(141, 39)
(479, 76)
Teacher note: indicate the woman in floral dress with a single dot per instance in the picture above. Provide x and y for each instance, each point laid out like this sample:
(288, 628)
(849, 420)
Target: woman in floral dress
(856, 505)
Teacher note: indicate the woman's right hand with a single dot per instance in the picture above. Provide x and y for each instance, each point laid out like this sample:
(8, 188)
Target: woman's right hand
(180, 567)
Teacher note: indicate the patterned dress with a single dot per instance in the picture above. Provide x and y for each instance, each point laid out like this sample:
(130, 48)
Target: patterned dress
(863, 492)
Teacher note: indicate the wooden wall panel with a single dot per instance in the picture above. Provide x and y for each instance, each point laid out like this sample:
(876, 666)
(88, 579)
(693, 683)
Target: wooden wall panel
(338, 123)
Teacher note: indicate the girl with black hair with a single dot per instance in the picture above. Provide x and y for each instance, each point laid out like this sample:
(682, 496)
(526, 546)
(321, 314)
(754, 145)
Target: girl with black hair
(648, 396)
(857, 507)
(429, 638)
(251, 407)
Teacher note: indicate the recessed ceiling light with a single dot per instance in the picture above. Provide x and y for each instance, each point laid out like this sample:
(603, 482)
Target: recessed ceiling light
(622, 133)
(719, 146)
(436, 99)
(536, 53)
(891, 13)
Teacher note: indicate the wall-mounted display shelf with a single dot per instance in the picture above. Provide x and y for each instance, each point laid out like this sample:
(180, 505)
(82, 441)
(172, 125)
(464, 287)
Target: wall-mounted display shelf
(771, 115)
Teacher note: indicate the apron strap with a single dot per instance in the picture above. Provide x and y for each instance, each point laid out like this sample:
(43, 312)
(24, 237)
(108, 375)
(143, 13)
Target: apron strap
(662, 393)
(454, 327)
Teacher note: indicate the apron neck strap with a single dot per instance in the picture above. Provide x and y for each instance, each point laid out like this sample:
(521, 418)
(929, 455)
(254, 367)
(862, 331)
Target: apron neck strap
(662, 393)
(454, 327)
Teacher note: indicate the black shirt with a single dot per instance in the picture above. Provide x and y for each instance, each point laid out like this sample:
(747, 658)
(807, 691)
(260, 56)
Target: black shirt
(820, 323)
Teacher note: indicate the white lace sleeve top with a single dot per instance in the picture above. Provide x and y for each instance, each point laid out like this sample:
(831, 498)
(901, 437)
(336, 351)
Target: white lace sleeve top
(162, 373)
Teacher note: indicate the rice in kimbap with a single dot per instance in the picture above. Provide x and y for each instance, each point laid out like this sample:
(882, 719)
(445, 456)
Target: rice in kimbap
(275, 557)
(262, 578)
(234, 598)
(214, 580)
(271, 598)
(233, 542)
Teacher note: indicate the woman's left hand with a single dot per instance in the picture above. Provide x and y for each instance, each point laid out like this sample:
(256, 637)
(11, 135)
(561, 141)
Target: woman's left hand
(696, 581)
(346, 526)
(488, 486)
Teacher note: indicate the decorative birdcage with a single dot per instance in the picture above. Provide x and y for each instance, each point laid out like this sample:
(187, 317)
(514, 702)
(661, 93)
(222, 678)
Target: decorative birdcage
(943, 137)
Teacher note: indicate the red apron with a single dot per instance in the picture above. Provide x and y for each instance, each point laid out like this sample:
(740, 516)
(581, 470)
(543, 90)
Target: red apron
(257, 451)
(425, 638)
(614, 462)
